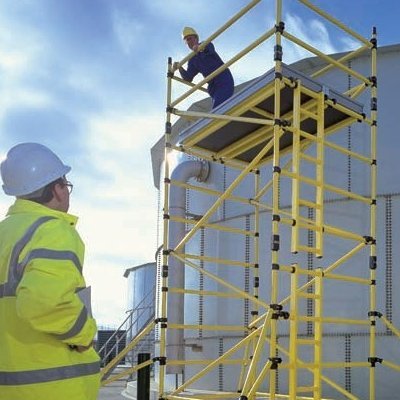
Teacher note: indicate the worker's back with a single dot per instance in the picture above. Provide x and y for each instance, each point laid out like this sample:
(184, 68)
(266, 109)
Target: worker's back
(41, 255)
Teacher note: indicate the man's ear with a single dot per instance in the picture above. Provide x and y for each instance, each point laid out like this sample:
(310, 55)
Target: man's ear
(57, 191)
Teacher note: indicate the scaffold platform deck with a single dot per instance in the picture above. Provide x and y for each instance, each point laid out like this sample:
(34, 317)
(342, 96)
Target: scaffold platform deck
(256, 101)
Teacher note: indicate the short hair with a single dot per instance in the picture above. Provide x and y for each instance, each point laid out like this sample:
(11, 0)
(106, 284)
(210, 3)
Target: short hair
(44, 194)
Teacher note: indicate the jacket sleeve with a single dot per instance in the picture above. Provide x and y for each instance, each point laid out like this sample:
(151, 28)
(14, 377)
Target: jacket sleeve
(189, 73)
(47, 294)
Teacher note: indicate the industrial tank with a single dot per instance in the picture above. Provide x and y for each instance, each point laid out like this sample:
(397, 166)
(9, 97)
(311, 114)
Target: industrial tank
(341, 342)
(141, 303)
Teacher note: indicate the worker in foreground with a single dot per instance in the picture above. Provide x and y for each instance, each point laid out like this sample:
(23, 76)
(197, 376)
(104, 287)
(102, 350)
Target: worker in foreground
(205, 62)
(46, 327)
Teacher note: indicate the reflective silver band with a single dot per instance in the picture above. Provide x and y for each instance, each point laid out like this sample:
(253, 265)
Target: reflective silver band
(77, 327)
(19, 246)
(48, 375)
(49, 254)
(8, 288)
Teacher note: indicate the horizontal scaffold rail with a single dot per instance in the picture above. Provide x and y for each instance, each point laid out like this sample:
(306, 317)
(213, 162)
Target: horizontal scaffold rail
(326, 275)
(336, 22)
(214, 226)
(288, 116)
(223, 28)
(205, 293)
(236, 111)
(326, 186)
(227, 328)
(327, 58)
(217, 260)
(223, 67)
(303, 222)
(260, 121)
(211, 156)
(224, 283)
(206, 361)
(347, 57)
(333, 320)
(226, 194)
(145, 331)
(217, 361)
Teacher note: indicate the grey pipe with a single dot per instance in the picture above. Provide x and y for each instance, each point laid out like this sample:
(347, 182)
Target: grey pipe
(176, 275)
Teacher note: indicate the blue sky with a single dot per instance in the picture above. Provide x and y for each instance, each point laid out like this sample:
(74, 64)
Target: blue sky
(88, 79)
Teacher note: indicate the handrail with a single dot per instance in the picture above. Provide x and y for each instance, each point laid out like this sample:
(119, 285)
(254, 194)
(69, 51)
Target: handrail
(151, 292)
(116, 344)
(106, 371)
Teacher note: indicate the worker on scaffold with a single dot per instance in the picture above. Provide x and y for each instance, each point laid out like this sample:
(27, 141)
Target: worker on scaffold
(206, 61)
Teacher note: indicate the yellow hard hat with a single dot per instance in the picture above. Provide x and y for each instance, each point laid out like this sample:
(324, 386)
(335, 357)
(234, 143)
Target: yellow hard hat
(187, 30)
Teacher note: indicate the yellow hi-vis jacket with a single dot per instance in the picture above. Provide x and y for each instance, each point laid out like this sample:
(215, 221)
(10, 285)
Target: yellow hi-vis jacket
(41, 314)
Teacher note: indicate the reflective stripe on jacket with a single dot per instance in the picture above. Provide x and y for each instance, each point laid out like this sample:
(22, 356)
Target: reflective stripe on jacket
(41, 315)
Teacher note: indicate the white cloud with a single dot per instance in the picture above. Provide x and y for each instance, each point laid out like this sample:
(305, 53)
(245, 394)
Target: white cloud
(14, 62)
(117, 205)
(21, 52)
(126, 133)
(17, 96)
(118, 208)
(349, 43)
(109, 290)
(128, 30)
(311, 31)
(20, 47)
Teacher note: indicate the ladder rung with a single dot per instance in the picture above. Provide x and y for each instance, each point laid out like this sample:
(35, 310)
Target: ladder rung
(308, 249)
(308, 203)
(308, 341)
(309, 113)
(306, 295)
(309, 136)
(310, 158)
(305, 389)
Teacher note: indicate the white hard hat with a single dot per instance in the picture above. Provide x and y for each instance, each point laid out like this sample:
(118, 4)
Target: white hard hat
(29, 167)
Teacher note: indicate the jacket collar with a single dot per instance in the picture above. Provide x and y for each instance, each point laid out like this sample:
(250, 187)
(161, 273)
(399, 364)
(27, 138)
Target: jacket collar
(26, 206)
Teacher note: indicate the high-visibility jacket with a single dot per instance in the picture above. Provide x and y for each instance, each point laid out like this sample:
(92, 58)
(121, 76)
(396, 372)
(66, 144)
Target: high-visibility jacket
(41, 314)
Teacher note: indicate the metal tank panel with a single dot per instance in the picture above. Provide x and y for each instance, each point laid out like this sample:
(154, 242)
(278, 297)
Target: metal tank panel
(347, 300)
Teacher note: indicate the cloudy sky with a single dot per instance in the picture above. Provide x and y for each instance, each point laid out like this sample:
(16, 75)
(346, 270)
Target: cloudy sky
(88, 79)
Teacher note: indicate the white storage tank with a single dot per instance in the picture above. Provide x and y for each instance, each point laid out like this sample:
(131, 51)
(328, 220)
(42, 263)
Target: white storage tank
(342, 343)
(141, 304)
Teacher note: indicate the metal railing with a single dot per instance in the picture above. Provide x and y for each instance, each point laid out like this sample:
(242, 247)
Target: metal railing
(134, 322)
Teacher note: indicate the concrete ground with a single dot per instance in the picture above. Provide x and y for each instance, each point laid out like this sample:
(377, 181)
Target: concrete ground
(112, 391)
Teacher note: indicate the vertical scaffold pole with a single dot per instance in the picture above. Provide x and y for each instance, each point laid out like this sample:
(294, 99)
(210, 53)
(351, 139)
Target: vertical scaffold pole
(251, 345)
(293, 333)
(373, 262)
(256, 257)
(275, 188)
(296, 167)
(319, 212)
(165, 257)
(318, 329)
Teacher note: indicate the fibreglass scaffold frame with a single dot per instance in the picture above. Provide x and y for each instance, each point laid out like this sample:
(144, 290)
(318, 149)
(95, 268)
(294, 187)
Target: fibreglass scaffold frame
(263, 328)
(250, 380)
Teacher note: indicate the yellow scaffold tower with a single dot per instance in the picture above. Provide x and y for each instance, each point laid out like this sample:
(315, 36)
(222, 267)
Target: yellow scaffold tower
(278, 132)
